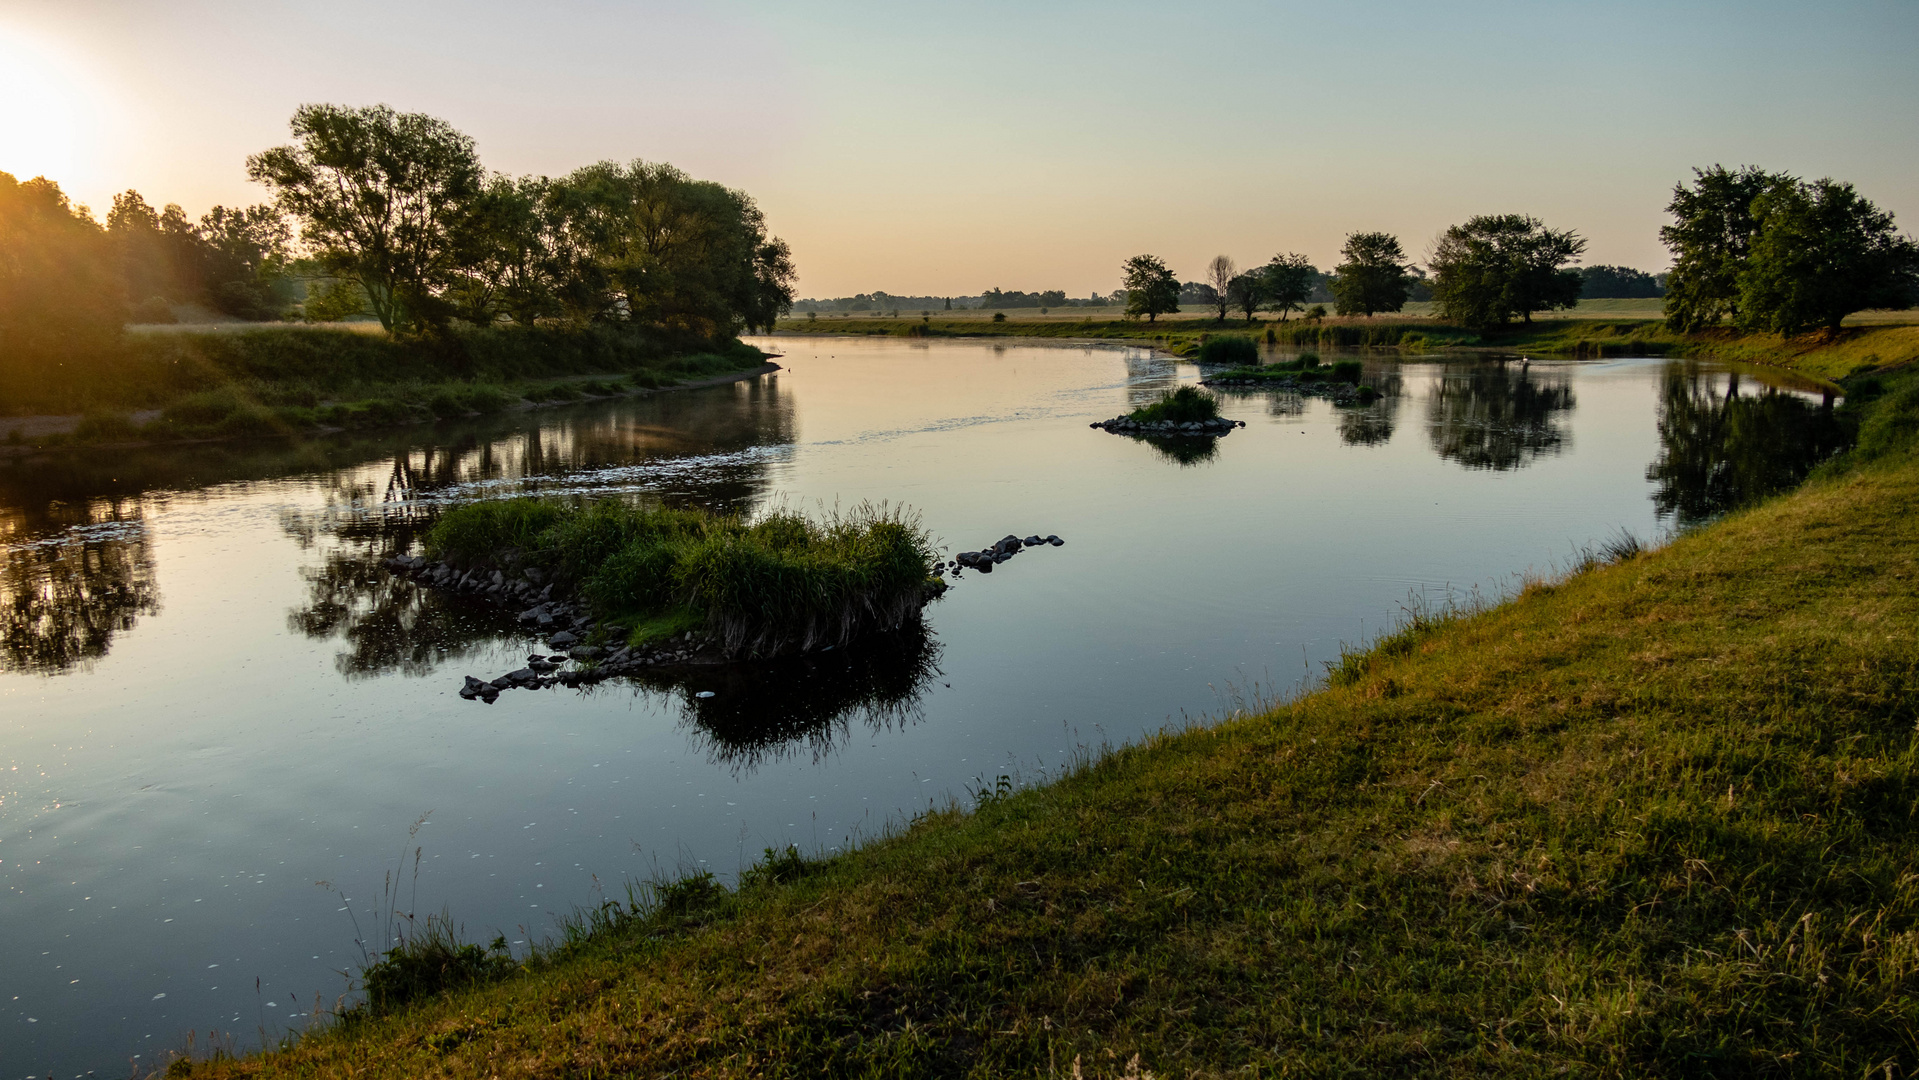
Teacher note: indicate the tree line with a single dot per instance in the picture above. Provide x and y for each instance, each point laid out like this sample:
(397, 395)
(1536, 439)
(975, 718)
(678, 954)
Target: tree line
(1763, 251)
(395, 216)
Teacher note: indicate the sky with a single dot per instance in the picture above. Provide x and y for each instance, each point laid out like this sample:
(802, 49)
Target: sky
(946, 149)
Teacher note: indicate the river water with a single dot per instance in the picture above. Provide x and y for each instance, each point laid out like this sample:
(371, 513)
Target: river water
(229, 741)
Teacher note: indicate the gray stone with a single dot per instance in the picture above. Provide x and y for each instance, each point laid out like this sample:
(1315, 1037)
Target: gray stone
(1055, 541)
(1032, 541)
(586, 652)
(562, 640)
(523, 675)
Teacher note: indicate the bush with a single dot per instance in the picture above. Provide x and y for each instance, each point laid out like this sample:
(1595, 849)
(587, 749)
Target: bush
(1185, 405)
(431, 962)
(446, 403)
(1232, 349)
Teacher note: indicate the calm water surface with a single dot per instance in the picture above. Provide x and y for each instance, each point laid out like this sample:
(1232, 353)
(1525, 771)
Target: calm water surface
(219, 721)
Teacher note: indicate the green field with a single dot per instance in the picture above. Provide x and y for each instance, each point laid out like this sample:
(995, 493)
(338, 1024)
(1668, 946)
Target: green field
(1654, 818)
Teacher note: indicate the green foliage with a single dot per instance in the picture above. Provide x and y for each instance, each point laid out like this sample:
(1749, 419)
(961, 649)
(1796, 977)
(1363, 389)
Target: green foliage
(380, 195)
(1287, 282)
(1709, 237)
(1152, 289)
(1246, 292)
(1618, 283)
(431, 962)
(782, 584)
(1374, 277)
(1229, 349)
(1497, 266)
(1820, 253)
(1186, 405)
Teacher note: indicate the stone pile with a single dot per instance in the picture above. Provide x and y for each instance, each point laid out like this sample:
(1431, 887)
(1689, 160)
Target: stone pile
(986, 558)
(564, 623)
(1126, 425)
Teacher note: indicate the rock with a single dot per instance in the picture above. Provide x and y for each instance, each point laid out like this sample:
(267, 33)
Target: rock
(535, 575)
(543, 620)
(499, 579)
(704, 694)
(521, 676)
(1055, 541)
(985, 566)
(504, 682)
(1008, 543)
(586, 652)
(562, 640)
(1032, 541)
(489, 695)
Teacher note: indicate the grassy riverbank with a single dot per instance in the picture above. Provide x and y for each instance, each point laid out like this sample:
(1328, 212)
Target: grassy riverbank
(1853, 350)
(289, 379)
(1655, 818)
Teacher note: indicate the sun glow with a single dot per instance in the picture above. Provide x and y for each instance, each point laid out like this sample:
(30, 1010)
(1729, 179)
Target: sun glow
(49, 113)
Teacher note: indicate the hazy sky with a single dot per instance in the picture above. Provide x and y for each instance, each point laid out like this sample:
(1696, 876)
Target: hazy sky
(950, 148)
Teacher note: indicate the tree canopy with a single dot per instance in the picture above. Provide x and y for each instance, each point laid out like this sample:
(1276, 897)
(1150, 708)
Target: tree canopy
(1288, 282)
(1709, 237)
(58, 278)
(1152, 289)
(1247, 292)
(1374, 277)
(1498, 266)
(1821, 252)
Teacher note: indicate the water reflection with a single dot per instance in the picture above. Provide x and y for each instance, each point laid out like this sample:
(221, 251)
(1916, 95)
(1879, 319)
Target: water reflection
(1719, 451)
(807, 704)
(1497, 416)
(71, 577)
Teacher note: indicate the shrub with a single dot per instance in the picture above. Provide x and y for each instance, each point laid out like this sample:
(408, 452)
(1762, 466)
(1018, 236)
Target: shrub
(1233, 349)
(431, 962)
(1187, 404)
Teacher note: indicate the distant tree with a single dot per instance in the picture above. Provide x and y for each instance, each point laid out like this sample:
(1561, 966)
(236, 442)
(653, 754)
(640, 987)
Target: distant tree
(1820, 253)
(1219, 276)
(1497, 266)
(60, 290)
(1709, 237)
(1152, 289)
(1617, 283)
(380, 196)
(503, 255)
(244, 260)
(1247, 292)
(1373, 277)
(1288, 283)
(1198, 292)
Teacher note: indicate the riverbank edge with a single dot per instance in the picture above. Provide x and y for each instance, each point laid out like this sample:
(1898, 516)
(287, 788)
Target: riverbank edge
(69, 422)
(1650, 813)
(1828, 358)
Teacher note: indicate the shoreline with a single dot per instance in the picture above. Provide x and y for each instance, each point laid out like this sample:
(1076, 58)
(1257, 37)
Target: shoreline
(1627, 819)
(43, 426)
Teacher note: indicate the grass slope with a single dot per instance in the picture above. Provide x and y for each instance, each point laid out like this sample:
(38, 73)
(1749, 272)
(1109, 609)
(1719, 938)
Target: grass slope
(1656, 819)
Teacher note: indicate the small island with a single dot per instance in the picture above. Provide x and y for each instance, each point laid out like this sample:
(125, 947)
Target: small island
(1185, 411)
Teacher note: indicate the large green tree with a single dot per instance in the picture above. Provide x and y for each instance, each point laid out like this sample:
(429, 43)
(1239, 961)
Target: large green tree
(1152, 289)
(1288, 283)
(1499, 266)
(1247, 292)
(382, 198)
(1819, 253)
(1710, 235)
(1374, 277)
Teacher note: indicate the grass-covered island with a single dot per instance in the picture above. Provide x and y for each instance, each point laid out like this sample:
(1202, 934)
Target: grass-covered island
(733, 588)
(1653, 818)
(1183, 411)
(1304, 374)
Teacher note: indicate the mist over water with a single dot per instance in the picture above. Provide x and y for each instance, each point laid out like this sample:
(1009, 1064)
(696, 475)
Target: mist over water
(219, 716)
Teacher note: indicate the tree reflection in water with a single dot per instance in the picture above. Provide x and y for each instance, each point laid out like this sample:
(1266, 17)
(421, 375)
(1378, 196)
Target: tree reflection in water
(1717, 453)
(1498, 416)
(72, 576)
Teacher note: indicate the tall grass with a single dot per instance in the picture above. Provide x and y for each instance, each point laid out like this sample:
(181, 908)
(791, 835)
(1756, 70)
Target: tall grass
(1186, 405)
(781, 584)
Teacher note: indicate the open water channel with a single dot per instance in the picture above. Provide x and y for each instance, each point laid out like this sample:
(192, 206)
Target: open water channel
(221, 720)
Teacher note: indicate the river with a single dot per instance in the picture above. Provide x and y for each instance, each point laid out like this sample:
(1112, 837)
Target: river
(229, 741)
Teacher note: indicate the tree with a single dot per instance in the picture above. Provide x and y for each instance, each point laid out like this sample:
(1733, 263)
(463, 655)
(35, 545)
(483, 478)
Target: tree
(1152, 290)
(1288, 282)
(1618, 283)
(381, 196)
(1821, 252)
(1247, 291)
(1373, 277)
(1496, 266)
(1709, 238)
(1220, 274)
(60, 291)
